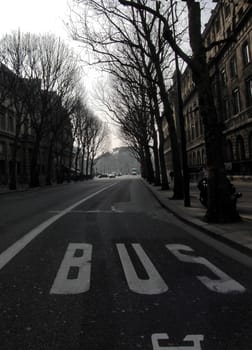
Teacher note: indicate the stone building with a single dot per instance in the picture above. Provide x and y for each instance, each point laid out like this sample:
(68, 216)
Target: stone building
(120, 160)
(230, 66)
(12, 95)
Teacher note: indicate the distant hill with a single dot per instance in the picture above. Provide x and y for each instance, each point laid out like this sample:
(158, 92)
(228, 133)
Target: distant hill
(119, 160)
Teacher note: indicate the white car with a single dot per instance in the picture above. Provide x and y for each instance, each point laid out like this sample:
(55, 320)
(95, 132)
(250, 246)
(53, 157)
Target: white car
(112, 175)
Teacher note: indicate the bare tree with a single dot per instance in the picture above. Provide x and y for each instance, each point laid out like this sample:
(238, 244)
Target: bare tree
(116, 26)
(16, 91)
(99, 133)
(131, 110)
(54, 66)
(220, 204)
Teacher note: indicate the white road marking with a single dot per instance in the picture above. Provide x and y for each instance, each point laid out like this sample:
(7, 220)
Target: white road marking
(114, 210)
(14, 249)
(81, 283)
(224, 284)
(153, 285)
(98, 211)
(196, 339)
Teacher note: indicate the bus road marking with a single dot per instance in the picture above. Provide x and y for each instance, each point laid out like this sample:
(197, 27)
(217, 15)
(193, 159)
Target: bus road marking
(153, 285)
(196, 339)
(63, 284)
(224, 284)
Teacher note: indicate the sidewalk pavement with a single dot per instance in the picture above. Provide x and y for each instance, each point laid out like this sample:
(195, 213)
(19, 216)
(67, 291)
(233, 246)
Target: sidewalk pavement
(238, 235)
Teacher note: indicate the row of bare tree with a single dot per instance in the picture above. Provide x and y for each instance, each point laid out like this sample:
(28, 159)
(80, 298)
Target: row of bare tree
(40, 87)
(135, 42)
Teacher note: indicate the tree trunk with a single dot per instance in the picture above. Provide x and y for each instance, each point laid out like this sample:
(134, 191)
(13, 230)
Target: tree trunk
(220, 204)
(34, 179)
(221, 207)
(70, 164)
(143, 164)
(178, 192)
(76, 161)
(178, 179)
(149, 166)
(157, 181)
(87, 162)
(164, 177)
(49, 164)
(13, 168)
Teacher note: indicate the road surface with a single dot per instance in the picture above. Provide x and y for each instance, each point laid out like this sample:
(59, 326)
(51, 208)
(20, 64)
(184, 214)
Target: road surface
(100, 265)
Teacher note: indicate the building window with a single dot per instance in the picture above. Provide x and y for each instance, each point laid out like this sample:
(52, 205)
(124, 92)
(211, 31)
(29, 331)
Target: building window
(3, 122)
(233, 67)
(188, 128)
(190, 159)
(198, 158)
(223, 76)
(11, 124)
(249, 91)
(194, 159)
(201, 125)
(240, 149)
(203, 156)
(229, 151)
(236, 101)
(246, 53)
(197, 128)
(2, 167)
(250, 145)
(226, 109)
(1, 148)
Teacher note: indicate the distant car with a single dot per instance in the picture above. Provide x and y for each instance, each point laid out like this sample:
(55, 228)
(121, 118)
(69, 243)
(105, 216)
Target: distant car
(133, 172)
(112, 175)
(102, 175)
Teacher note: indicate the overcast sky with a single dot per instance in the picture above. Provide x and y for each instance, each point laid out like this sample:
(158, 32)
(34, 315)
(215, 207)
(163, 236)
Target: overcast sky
(41, 16)
(33, 16)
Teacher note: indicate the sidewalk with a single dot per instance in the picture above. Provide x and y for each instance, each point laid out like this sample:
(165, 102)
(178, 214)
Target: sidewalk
(237, 235)
(20, 188)
(25, 187)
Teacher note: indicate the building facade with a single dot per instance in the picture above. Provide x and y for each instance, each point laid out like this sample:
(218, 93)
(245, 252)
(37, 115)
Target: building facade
(13, 116)
(120, 160)
(230, 66)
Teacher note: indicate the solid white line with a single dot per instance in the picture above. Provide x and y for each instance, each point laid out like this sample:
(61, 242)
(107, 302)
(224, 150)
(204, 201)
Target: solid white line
(98, 211)
(14, 249)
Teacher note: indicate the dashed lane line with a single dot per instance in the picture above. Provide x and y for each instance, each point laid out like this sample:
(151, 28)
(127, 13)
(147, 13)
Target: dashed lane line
(15, 248)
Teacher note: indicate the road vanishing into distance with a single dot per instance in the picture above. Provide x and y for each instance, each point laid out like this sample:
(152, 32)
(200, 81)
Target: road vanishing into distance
(100, 265)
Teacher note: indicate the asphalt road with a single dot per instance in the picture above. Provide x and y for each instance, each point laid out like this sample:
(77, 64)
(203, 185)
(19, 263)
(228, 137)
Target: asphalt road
(101, 266)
